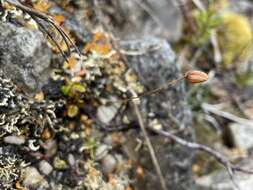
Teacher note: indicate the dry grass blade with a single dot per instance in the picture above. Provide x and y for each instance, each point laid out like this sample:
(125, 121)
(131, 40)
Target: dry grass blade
(43, 29)
(150, 147)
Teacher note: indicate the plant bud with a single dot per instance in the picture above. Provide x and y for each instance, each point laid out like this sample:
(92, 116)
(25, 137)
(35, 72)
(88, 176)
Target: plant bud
(196, 76)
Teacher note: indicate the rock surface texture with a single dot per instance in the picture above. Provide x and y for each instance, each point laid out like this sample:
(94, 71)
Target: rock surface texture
(155, 64)
(24, 56)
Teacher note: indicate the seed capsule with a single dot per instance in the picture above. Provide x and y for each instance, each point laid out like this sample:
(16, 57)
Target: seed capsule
(196, 76)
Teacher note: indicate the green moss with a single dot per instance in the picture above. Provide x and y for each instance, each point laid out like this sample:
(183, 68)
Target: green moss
(235, 38)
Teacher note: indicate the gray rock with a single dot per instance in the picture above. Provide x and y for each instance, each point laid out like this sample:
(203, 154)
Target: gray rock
(242, 6)
(242, 136)
(137, 18)
(106, 113)
(45, 167)
(220, 180)
(101, 151)
(74, 22)
(155, 65)
(109, 164)
(24, 56)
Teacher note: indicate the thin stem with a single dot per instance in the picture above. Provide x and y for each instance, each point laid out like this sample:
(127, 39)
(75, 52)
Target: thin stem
(150, 147)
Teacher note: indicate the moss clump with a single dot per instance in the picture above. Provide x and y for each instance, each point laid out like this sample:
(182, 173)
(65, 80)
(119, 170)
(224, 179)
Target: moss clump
(235, 38)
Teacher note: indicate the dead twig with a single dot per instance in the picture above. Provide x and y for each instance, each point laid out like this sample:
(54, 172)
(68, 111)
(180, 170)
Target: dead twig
(218, 156)
(182, 4)
(150, 147)
(156, 90)
(215, 110)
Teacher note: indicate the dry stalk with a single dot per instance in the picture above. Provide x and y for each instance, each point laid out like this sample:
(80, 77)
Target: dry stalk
(150, 147)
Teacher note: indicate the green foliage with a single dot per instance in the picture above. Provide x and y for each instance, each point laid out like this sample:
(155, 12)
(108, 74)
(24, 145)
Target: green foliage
(206, 22)
(245, 79)
(72, 88)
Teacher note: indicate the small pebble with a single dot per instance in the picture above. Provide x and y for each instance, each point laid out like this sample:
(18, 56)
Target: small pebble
(33, 179)
(109, 164)
(71, 160)
(17, 140)
(45, 167)
(101, 151)
(106, 113)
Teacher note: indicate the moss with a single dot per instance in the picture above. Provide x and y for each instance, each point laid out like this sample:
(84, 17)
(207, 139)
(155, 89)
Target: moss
(235, 38)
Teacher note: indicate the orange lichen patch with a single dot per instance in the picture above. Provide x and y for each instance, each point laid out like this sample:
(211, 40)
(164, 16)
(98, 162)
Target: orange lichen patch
(19, 186)
(70, 63)
(112, 180)
(59, 19)
(46, 134)
(42, 5)
(100, 44)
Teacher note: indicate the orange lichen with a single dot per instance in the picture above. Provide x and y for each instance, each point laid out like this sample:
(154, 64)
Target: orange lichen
(70, 63)
(59, 19)
(100, 44)
(42, 5)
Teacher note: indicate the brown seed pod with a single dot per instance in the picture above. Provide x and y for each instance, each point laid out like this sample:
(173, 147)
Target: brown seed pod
(196, 76)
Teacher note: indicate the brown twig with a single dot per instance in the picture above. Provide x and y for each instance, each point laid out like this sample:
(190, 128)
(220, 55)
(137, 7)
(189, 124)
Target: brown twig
(150, 147)
(218, 156)
(154, 91)
(186, 14)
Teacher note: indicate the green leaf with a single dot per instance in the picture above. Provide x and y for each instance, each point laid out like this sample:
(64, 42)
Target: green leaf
(72, 110)
(78, 88)
(65, 89)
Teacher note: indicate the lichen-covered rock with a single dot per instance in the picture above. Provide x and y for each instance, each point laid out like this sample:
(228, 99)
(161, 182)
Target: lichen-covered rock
(24, 56)
(11, 166)
(21, 115)
(155, 64)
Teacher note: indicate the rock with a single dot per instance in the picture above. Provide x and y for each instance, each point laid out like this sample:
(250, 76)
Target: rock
(220, 180)
(74, 22)
(45, 167)
(106, 113)
(101, 151)
(17, 140)
(24, 56)
(242, 135)
(109, 164)
(161, 18)
(33, 179)
(243, 6)
(71, 160)
(155, 66)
